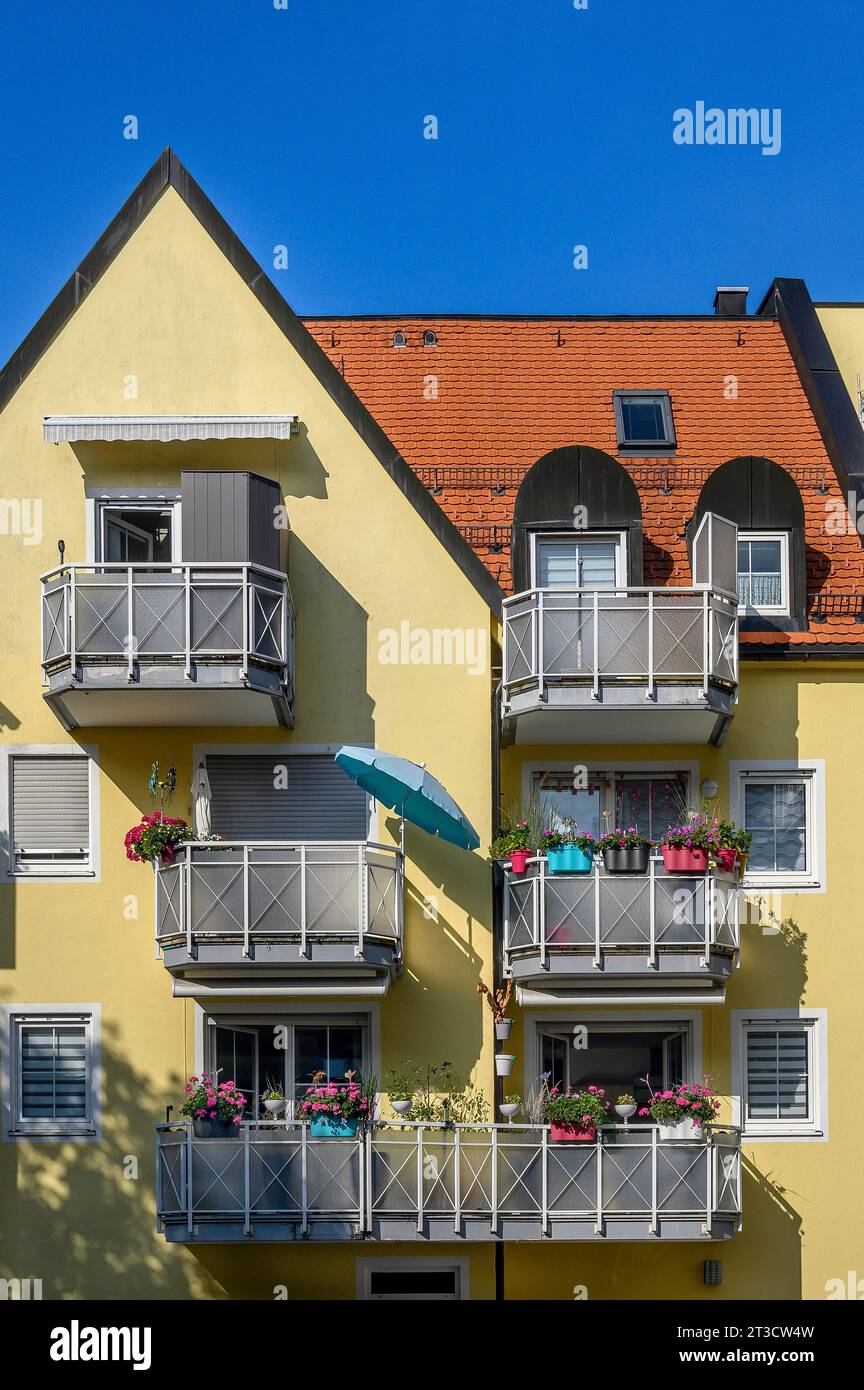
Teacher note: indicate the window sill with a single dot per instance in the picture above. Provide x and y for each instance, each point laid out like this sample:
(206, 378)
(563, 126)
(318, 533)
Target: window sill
(779, 1136)
(781, 885)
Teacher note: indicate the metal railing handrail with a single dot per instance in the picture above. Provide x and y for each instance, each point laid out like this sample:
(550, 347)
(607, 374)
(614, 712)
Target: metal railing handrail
(623, 590)
(168, 565)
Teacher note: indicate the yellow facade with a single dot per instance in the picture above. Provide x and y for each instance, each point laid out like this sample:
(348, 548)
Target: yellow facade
(844, 328)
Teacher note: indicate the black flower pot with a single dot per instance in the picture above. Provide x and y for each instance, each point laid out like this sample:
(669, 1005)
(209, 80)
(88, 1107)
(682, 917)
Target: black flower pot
(627, 861)
(215, 1129)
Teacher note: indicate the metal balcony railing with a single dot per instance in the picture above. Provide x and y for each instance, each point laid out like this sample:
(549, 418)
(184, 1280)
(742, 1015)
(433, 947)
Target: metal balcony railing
(594, 637)
(182, 614)
(594, 913)
(476, 1182)
(254, 893)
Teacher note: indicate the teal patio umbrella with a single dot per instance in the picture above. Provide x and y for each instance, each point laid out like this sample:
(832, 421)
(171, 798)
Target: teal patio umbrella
(408, 788)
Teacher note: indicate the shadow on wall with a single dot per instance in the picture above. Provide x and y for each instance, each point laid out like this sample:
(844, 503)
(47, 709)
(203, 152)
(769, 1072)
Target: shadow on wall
(72, 1217)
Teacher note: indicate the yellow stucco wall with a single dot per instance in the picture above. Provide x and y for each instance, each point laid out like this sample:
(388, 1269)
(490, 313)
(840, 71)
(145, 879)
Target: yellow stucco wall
(173, 313)
(802, 1224)
(844, 329)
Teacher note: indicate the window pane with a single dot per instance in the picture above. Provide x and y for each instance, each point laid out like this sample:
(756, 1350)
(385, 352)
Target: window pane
(763, 591)
(790, 801)
(565, 803)
(310, 1054)
(765, 557)
(758, 806)
(776, 813)
(650, 803)
(346, 1052)
(643, 419)
(571, 563)
(597, 564)
(791, 851)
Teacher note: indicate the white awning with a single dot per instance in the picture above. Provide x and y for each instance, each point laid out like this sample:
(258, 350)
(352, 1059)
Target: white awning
(164, 428)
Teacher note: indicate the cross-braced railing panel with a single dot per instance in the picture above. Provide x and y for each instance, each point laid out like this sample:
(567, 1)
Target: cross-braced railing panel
(269, 892)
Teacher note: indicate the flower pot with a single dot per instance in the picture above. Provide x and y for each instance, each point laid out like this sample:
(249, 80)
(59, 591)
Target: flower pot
(626, 861)
(215, 1129)
(625, 1111)
(678, 859)
(742, 862)
(502, 1029)
(504, 1063)
(571, 1134)
(510, 1108)
(569, 859)
(669, 1132)
(401, 1106)
(274, 1107)
(518, 860)
(330, 1127)
(726, 860)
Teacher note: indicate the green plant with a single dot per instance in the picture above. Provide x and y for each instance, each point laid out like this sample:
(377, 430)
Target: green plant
(586, 1107)
(745, 840)
(522, 826)
(509, 841)
(626, 1099)
(696, 833)
(514, 1099)
(446, 1096)
(348, 1100)
(624, 839)
(402, 1082)
(207, 1098)
(156, 837)
(272, 1090)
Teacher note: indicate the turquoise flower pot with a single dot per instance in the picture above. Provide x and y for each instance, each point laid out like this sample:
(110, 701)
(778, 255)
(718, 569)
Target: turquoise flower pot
(326, 1127)
(569, 859)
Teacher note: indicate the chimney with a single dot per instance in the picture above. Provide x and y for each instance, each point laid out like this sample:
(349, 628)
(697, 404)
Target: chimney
(730, 301)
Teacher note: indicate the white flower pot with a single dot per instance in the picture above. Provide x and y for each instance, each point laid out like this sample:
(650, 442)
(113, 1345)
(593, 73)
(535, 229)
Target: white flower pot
(504, 1063)
(401, 1106)
(274, 1107)
(509, 1109)
(502, 1029)
(686, 1130)
(625, 1111)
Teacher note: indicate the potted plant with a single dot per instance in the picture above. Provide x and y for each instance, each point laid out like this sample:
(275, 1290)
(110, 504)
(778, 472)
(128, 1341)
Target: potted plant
(273, 1098)
(575, 1115)
(498, 1001)
(728, 835)
(334, 1109)
(513, 844)
(214, 1107)
(745, 839)
(504, 1063)
(569, 851)
(680, 1112)
(400, 1086)
(511, 1106)
(155, 838)
(625, 1106)
(625, 851)
(685, 848)
(702, 1102)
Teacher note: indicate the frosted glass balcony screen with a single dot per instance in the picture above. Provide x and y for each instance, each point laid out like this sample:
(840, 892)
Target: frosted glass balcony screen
(572, 564)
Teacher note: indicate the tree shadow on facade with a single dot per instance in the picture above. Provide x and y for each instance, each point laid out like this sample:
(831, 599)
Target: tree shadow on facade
(75, 1221)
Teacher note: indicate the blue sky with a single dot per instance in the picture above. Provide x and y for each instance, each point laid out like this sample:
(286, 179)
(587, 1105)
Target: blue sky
(305, 127)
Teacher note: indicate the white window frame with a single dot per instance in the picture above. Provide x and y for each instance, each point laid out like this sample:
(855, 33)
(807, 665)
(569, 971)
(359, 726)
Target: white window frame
(622, 1019)
(617, 538)
(811, 772)
(78, 1131)
(769, 610)
(377, 1264)
(115, 498)
(813, 1129)
(50, 872)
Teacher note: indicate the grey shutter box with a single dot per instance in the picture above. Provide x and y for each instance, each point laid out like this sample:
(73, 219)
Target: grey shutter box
(230, 517)
(314, 799)
(51, 806)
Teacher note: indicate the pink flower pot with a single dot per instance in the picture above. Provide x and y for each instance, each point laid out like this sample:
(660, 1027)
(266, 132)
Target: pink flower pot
(518, 860)
(726, 860)
(569, 1134)
(678, 859)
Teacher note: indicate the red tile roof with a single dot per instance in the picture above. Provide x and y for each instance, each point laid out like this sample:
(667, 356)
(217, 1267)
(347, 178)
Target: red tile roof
(474, 413)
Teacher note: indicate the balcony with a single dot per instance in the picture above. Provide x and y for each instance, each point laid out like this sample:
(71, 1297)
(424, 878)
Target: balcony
(284, 919)
(470, 1183)
(595, 936)
(622, 666)
(168, 643)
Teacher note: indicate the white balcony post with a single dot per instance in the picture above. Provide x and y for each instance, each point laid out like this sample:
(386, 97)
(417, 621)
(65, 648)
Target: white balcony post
(399, 878)
(544, 1180)
(304, 1180)
(649, 693)
(652, 910)
(247, 1196)
(598, 1214)
(247, 889)
(595, 692)
(363, 901)
(653, 1226)
(709, 887)
(130, 624)
(368, 1156)
(73, 624)
(507, 915)
(186, 896)
(245, 607)
(420, 1179)
(710, 1181)
(539, 643)
(494, 1176)
(540, 908)
(706, 641)
(597, 917)
(360, 1147)
(189, 1202)
(187, 621)
(303, 947)
(457, 1182)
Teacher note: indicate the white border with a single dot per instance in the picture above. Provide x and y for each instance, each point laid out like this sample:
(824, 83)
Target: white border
(91, 873)
(816, 880)
(8, 1013)
(818, 1081)
(367, 1264)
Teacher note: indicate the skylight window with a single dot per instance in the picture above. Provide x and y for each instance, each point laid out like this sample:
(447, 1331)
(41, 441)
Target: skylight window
(644, 420)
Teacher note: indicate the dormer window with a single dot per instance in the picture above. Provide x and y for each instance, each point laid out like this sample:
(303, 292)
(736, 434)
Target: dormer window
(763, 572)
(399, 339)
(584, 561)
(430, 339)
(644, 420)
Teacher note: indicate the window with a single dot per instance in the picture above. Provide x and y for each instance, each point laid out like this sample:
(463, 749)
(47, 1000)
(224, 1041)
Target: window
(288, 1052)
(412, 1279)
(51, 1080)
(648, 800)
(763, 572)
(783, 809)
(779, 1073)
(644, 419)
(616, 1056)
(284, 796)
(430, 339)
(579, 562)
(399, 339)
(51, 803)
